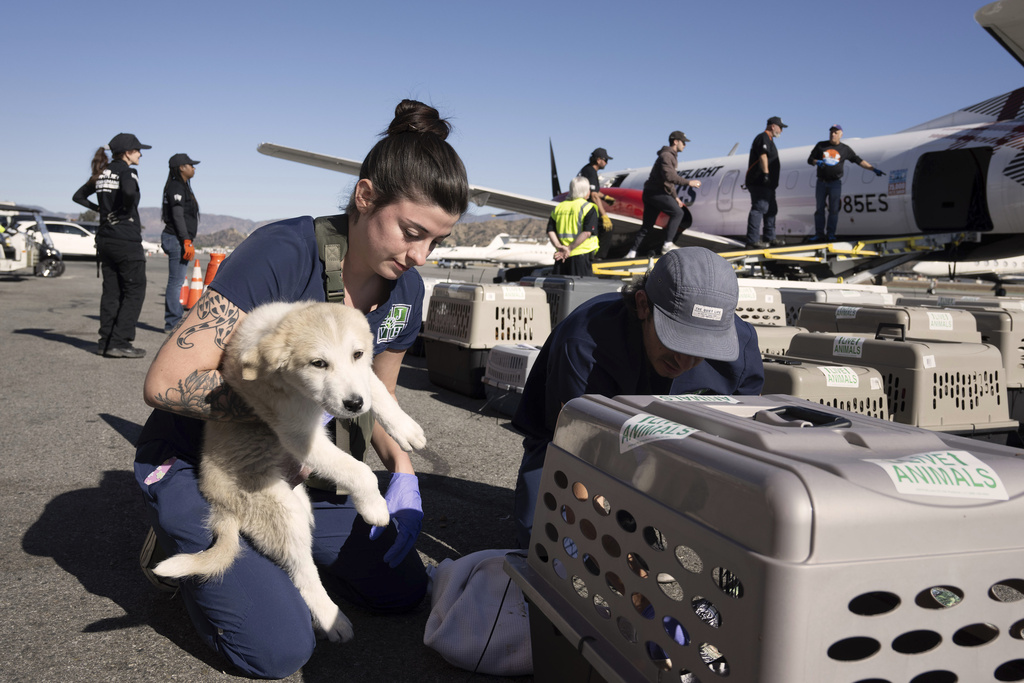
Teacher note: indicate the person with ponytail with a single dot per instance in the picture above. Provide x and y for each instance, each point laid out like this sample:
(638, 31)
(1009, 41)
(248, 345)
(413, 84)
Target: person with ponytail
(180, 213)
(118, 243)
(412, 188)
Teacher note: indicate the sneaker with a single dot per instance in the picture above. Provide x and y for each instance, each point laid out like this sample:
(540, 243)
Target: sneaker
(757, 245)
(124, 352)
(667, 247)
(777, 243)
(151, 555)
(630, 254)
(813, 239)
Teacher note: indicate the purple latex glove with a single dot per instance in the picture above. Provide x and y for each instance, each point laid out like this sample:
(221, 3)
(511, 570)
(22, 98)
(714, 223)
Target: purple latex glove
(403, 499)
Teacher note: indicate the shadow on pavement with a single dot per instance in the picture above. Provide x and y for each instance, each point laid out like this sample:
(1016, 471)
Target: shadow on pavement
(95, 535)
(89, 346)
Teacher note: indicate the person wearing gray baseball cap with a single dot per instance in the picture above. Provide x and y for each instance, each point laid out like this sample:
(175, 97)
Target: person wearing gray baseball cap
(673, 330)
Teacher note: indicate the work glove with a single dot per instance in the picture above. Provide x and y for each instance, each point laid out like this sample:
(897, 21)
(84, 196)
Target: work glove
(188, 252)
(820, 162)
(606, 222)
(765, 178)
(403, 499)
(878, 171)
(607, 199)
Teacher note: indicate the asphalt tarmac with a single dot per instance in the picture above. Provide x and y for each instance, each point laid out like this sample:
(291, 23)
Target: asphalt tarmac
(74, 605)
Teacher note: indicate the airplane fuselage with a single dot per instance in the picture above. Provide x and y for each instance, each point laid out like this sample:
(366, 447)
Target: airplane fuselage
(941, 179)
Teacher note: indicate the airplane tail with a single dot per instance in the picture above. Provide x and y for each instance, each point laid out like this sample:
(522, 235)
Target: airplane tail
(499, 241)
(212, 562)
(555, 187)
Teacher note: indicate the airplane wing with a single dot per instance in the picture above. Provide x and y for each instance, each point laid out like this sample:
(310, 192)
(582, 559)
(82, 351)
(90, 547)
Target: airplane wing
(1005, 22)
(485, 196)
(481, 196)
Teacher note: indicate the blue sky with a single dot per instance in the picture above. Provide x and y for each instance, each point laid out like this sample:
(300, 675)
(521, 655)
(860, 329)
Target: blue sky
(214, 79)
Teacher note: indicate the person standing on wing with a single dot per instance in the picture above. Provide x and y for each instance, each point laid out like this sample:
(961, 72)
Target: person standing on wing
(829, 156)
(660, 196)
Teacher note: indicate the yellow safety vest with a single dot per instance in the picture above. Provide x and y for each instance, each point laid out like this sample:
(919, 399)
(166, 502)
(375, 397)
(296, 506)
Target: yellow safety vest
(568, 217)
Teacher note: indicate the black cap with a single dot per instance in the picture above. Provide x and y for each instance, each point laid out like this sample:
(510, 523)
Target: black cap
(125, 142)
(678, 135)
(600, 153)
(775, 120)
(181, 159)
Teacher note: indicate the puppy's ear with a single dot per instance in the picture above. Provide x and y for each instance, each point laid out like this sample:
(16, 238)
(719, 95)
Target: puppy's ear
(250, 362)
(275, 350)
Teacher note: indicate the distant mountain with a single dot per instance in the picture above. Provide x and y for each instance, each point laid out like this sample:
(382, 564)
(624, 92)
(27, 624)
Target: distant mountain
(217, 230)
(209, 223)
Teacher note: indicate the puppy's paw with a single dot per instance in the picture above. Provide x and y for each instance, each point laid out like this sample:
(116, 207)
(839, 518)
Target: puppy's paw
(407, 433)
(373, 508)
(341, 630)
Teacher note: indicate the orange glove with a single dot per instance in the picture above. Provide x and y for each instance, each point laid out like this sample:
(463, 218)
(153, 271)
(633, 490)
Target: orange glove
(188, 252)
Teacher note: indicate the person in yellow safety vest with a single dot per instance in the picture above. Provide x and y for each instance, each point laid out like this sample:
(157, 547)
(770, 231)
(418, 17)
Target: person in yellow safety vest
(572, 229)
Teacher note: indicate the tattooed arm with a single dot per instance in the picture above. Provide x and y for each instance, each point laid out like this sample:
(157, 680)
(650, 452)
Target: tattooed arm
(185, 376)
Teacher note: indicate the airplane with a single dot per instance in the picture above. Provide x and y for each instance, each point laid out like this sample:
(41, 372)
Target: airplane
(960, 172)
(502, 250)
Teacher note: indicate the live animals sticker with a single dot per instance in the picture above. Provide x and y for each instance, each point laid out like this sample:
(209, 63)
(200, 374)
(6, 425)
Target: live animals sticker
(955, 474)
(840, 376)
(643, 428)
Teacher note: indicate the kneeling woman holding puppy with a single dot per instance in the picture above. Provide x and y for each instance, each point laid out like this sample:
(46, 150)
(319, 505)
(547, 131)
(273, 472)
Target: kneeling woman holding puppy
(412, 188)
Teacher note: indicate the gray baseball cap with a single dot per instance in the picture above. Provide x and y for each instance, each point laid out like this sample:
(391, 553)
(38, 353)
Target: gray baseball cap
(694, 292)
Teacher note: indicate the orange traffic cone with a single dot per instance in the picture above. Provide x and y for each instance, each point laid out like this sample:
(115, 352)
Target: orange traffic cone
(183, 298)
(195, 289)
(211, 268)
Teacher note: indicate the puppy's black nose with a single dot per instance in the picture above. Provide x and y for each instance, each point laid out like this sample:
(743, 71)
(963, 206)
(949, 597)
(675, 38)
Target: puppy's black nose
(353, 405)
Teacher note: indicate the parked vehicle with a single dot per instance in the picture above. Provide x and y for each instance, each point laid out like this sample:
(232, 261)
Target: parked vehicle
(20, 249)
(69, 238)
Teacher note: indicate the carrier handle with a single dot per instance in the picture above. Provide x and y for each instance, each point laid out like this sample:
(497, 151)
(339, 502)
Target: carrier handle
(800, 416)
(899, 327)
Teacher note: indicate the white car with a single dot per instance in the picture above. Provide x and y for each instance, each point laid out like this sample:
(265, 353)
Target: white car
(69, 238)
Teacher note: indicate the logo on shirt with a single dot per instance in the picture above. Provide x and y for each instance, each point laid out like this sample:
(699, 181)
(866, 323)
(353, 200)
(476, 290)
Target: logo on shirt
(392, 326)
(177, 197)
(831, 157)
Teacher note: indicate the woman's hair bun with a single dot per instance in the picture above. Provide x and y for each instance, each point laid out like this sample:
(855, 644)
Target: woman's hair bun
(412, 116)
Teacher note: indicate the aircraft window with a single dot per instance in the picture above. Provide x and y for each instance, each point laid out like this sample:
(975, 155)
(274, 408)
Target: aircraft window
(617, 182)
(868, 176)
(791, 179)
(812, 179)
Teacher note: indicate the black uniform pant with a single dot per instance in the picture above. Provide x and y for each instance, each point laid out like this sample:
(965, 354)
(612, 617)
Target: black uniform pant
(124, 290)
(656, 203)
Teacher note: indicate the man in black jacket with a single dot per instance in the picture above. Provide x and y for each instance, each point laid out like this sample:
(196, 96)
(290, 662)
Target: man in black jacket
(598, 160)
(829, 156)
(762, 180)
(660, 195)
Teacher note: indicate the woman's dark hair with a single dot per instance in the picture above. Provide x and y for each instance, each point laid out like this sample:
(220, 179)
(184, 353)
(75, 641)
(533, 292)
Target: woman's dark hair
(99, 163)
(414, 162)
(175, 174)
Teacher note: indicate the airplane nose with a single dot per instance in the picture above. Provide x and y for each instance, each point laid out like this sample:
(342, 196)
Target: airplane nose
(353, 405)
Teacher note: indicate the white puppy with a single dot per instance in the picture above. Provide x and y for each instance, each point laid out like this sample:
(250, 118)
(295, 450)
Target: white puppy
(291, 362)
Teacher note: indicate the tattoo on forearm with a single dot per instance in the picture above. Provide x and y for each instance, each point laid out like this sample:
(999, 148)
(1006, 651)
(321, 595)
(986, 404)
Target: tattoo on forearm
(204, 394)
(215, 313)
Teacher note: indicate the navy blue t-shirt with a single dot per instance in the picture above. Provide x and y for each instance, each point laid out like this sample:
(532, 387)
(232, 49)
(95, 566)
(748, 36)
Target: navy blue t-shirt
(279, 262)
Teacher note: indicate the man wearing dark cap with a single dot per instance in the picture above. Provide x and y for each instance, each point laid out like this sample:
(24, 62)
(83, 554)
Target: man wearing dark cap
(829, 156)
(119, 249)
(673, 330)
(180, 213)
(598, 160)
(661, 196)
(762, 179)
